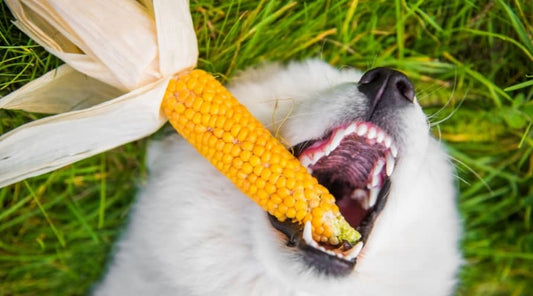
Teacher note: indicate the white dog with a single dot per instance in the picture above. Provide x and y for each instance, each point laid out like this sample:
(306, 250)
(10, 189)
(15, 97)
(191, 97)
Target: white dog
(192, 232)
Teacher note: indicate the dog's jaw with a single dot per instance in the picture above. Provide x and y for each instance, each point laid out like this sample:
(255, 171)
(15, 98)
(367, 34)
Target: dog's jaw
(191, 239)
(413, 248)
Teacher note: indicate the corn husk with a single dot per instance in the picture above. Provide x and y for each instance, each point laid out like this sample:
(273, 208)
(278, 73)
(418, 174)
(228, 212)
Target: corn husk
(118, 58)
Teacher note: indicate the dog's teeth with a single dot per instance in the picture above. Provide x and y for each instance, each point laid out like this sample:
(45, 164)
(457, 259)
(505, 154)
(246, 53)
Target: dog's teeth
(306, 162)
(308, 239)
(387, 141)
(378, 167)
(376, 173)
(361, 196)
(352, 128)
(354, 252)
(371, 133)
(317, 156)
(338, 138)
(394, 150)
(362, 129)
(380, 136)
(390, 164)
(375, 181)
(339, 135)
(308, 235)
(329, 252)
(374, 192)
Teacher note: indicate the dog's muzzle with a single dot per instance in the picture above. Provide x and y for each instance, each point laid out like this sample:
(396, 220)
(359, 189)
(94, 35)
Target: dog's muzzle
(354, 161)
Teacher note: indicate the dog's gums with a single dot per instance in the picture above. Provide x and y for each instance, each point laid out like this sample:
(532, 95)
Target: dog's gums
(354, 161)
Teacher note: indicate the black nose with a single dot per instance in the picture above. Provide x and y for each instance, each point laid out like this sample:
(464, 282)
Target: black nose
(387, 86)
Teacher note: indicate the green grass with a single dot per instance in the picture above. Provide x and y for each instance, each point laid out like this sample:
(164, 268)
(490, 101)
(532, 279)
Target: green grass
(471, 62)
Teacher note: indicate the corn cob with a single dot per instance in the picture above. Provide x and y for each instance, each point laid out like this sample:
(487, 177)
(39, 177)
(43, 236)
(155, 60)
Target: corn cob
(204, 112)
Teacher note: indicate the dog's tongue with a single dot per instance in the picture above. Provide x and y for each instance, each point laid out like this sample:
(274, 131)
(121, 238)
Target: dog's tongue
(346, 173)
(352, 211)
(348, 166)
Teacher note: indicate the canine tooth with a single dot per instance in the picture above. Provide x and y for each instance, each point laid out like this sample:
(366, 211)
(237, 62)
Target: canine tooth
(371, 133)
(379, 166)
(390, 164)
(338, 137)
(354, 252)
(394, 150)
(308, 235)
(328, 149)
(335, 142)
(374, 192)
(317, 156)
(352, 128)
(362, 129)
(375, 181)
(380, 136)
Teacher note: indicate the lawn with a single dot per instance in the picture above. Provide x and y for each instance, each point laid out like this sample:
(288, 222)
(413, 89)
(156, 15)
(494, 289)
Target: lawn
(471, 63)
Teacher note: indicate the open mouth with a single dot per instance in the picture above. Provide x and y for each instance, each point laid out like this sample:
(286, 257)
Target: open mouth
(354, 162)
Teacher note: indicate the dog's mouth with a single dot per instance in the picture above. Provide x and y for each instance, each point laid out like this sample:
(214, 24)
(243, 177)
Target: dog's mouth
(354, 162)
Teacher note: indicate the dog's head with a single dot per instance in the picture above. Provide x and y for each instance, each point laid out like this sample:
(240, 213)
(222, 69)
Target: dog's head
(348, 138)
(368, 142)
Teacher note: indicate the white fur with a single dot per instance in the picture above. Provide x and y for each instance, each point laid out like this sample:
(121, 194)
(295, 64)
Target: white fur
(193, 233)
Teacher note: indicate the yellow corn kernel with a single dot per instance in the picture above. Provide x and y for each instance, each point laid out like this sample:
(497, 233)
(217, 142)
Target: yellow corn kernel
(237, 144)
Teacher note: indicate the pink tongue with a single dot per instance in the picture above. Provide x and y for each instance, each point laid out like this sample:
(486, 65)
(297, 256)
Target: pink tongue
(351, 163)
(352, 211)
(347, 168)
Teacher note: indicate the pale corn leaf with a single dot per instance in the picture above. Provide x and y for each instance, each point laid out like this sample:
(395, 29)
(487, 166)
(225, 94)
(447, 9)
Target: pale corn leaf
(119, 33)
(38, 28)
(80, 62)
(61, 90)
(178, 48)
(53, 142)
(115, 42)
(115, 36)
